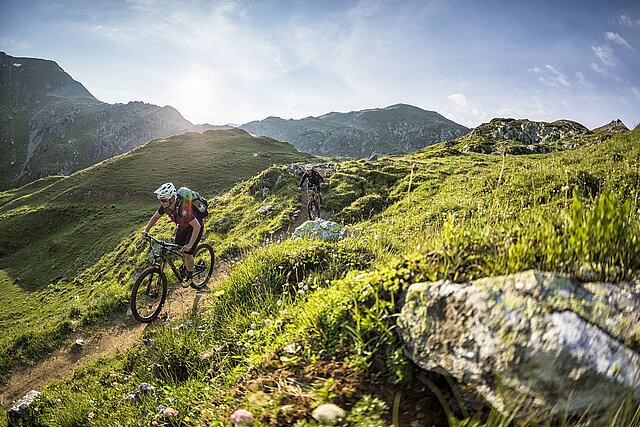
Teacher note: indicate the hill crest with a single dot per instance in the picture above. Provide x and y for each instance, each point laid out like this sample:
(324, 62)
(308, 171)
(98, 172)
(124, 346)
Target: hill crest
(398, 128)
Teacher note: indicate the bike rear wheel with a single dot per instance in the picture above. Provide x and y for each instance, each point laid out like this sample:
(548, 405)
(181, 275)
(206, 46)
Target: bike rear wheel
(204, 259)
(313, 209)
(148, 294)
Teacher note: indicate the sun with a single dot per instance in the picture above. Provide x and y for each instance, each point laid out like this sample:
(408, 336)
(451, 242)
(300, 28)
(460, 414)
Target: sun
(194, 97)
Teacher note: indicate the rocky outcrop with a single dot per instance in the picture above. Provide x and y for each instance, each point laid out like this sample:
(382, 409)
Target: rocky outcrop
(615, 126)
(529, 132)
(395, 129)
(532, 339)
(523, 136)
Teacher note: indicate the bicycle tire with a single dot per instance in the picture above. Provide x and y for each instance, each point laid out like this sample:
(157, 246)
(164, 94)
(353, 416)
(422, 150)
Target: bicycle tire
(204, 259)
(313, 210)
(142, 296)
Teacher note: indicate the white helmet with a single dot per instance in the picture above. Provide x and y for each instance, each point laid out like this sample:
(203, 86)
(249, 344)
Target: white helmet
(308, 167)
(166, 191)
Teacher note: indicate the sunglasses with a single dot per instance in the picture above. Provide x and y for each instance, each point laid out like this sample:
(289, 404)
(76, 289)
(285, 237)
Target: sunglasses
(164, 199)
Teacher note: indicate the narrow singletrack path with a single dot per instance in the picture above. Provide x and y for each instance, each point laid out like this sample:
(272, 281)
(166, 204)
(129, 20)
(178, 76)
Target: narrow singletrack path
(101, 341)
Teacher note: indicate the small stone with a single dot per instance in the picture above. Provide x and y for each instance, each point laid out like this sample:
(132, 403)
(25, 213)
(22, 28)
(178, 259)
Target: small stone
(328, 413)
(241, 417)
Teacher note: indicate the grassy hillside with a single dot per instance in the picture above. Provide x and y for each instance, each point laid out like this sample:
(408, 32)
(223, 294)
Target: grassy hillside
(299, 323)
(54, 230)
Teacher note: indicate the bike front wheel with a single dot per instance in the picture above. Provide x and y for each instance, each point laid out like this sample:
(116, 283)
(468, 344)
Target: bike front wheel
(204, 260)
(313, 209)
(148, 294)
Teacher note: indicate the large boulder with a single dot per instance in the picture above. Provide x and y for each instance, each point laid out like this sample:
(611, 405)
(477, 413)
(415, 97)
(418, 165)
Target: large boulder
(533, 339)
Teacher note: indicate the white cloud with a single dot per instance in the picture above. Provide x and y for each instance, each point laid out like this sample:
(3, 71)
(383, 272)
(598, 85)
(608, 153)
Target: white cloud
(600, 69)
(636, 92)
(617, 38)
(582, 80)
(459, 99)
(627, 21)
(551, 77)
(605, 55)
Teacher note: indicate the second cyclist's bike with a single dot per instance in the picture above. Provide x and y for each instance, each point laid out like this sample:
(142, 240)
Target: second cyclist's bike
(313, 205)
(150, 289)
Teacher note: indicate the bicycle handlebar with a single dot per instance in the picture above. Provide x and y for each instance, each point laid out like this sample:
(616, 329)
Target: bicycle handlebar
(170, 246)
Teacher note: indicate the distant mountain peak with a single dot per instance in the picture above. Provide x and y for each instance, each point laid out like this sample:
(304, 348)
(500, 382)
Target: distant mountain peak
(614, 126)
(397, 128)
(44, 78)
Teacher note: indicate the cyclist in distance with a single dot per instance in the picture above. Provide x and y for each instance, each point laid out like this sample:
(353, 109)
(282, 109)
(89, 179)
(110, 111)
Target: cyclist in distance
(189, 225)
(314, 177)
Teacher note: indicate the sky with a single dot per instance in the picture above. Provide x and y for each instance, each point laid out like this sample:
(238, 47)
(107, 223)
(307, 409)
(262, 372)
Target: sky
(234, 61)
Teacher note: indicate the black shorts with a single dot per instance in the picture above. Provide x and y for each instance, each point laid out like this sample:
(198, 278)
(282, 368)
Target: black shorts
(183, 235)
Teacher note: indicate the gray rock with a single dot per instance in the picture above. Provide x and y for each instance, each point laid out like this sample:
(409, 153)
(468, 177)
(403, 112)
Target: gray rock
(321, 229)
(19, 412)
(264, 209)
(328, 414)
(294, 169)
(534, 339)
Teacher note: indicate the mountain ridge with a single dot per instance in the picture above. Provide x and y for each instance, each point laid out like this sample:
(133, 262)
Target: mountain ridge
(51, 124)
(397, 128)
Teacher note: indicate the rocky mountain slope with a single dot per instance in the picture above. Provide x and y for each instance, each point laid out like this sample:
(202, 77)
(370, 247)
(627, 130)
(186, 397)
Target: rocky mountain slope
(398, 128)
(522, 136)
(51, 124)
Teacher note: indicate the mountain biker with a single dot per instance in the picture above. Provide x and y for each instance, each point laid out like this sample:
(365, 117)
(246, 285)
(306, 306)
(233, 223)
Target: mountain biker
(311, 173)
(189, 226)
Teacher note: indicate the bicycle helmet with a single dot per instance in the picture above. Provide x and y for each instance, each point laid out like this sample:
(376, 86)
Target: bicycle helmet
(166, 191)
(308, 167)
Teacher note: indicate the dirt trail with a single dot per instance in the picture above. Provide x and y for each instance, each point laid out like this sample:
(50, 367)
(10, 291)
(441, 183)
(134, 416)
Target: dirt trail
(106, 341)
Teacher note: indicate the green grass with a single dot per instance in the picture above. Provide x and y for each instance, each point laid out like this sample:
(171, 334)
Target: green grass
(323, 313)
(59, 236)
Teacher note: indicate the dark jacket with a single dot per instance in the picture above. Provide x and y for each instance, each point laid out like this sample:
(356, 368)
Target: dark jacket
(314, 179)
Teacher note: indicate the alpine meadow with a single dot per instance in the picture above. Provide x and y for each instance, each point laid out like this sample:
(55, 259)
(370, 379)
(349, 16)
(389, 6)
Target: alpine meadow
(299, 323)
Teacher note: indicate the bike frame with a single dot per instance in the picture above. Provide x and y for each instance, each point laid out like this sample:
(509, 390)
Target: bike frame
(168, 253)
(312, 194)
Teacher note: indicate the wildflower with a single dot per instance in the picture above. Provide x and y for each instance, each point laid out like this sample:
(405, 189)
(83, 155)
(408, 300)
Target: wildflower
(170, 412)
(90, 415)
(279, 302)
(267, 322)
(255, 313)
(251, 333)
(241, 417)
(253, 326)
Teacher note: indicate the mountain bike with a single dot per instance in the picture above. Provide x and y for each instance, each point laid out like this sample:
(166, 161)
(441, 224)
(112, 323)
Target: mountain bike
(149, 292)
(313, 205)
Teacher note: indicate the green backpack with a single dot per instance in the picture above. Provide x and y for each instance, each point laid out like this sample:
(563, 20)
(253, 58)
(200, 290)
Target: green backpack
(200, 204)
